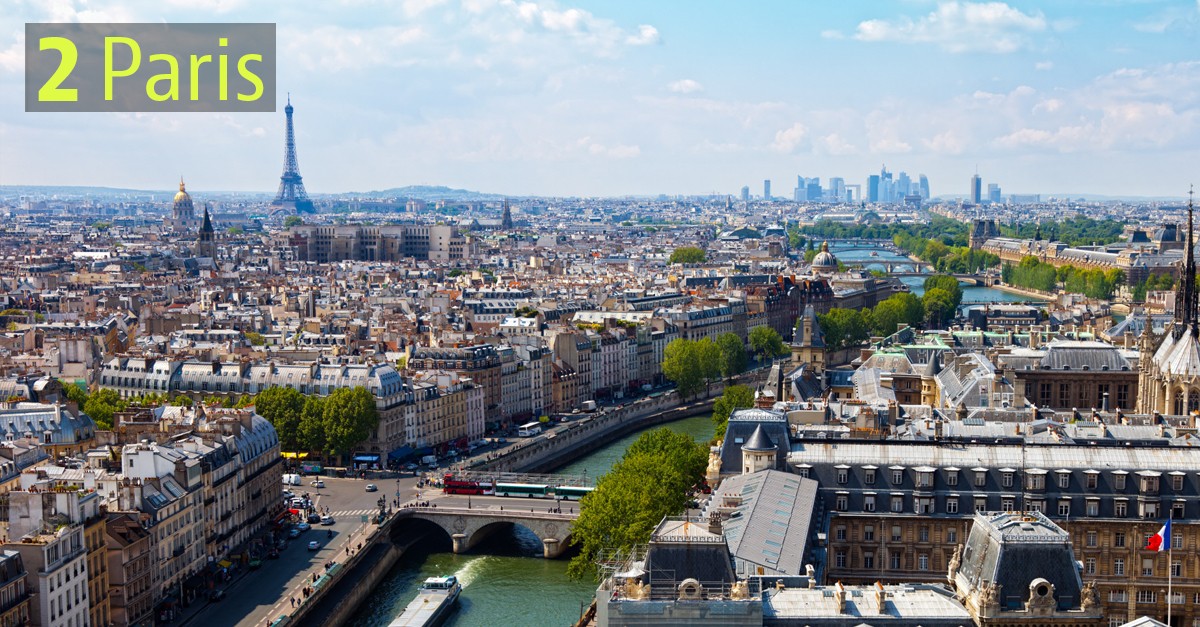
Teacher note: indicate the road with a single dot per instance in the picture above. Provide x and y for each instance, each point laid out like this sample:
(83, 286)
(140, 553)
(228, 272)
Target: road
(253, 598)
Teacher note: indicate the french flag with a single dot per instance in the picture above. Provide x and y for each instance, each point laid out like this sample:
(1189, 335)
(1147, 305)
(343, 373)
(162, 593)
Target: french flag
(1160, 541)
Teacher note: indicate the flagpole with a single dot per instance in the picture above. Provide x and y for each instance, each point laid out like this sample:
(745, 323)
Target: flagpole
(1170, 565)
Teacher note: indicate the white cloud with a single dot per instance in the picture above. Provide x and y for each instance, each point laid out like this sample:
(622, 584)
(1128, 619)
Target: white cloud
(646, 35)
(890, 145)
(789, 139)
(835, 145)
(950, 142)
(685, 86)
(618, 151)
(337, 48)
(955, 26)
(1043, 66)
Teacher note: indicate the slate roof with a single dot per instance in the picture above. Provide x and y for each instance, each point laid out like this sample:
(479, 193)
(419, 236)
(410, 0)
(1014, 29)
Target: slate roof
(776, 512)
(759, 441)
(1013, 549)
(742, 425)
(681, 549)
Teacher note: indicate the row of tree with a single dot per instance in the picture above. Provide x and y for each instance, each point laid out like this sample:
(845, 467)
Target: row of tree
(333, 425)
(687, 254)
(692, 364)
(1033, 274)
(844, 328)
(1154, 282)
(1076, 231)
(945, 258)
(654, 479)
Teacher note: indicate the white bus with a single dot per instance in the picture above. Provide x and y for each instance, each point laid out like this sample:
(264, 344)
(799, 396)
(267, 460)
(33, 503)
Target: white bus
(530, 429)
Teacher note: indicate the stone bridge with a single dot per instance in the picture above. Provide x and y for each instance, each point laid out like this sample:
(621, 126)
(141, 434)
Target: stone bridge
(467, 527)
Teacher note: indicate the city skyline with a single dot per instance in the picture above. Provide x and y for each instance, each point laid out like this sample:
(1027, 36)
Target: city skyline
(604, 99)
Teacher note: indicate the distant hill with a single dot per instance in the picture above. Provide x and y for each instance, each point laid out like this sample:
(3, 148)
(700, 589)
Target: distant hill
(425, 192)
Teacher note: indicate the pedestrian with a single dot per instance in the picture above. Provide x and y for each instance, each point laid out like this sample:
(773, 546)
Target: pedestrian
(293, 600)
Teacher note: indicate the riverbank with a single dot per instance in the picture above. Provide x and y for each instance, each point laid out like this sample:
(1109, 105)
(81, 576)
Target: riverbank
(1035, 294)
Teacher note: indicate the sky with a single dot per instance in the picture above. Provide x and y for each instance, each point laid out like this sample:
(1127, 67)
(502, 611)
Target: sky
(614, 97)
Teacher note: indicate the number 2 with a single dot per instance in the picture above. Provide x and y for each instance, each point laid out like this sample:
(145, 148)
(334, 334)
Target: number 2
(51, 92)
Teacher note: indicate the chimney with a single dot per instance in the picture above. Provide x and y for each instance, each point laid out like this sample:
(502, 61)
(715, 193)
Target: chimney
(880, 598)
(839, 594)
(1104, 402)
(714, 523)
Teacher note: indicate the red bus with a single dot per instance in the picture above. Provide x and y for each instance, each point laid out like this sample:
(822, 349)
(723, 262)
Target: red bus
(451, 485)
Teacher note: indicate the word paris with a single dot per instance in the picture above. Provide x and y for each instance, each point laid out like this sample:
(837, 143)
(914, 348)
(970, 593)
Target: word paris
(150, 67)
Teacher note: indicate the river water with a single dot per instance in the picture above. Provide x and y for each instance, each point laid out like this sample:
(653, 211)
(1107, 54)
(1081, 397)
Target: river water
(505, 579)
(859, 253)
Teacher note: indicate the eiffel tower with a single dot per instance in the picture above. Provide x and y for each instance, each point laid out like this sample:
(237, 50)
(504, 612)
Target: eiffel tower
(291, 196)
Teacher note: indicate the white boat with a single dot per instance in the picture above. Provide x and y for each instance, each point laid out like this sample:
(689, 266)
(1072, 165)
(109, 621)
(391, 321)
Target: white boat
(433, 604)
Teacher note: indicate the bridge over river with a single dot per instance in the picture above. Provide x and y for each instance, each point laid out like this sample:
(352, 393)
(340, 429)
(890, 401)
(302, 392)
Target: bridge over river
(468, 525)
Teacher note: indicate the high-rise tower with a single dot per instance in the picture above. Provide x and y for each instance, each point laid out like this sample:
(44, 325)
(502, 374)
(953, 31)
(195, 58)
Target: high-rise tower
(291, 186)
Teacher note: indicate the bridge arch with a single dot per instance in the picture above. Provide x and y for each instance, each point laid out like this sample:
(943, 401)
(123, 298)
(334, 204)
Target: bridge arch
(466, 527)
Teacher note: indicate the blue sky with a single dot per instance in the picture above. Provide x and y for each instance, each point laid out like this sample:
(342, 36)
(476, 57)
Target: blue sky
(613, 98)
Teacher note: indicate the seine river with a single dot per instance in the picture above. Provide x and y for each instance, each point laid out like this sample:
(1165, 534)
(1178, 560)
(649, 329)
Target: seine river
(851, 253)
(505, 579)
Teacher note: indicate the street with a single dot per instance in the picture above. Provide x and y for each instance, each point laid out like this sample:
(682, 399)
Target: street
(253, 598)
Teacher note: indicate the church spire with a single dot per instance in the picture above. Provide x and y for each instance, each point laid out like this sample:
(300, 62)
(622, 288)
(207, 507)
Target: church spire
(1186, 305)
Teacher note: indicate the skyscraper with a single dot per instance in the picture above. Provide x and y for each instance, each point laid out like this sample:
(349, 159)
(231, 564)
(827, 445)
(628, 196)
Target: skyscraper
(976, 194)
(924, 184)
(291, 194)
(873, 188)
(745, 193)
(993, 193)
(766, 189)
(837, 188)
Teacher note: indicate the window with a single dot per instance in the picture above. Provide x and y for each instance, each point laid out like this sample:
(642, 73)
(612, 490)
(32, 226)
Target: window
(922, 562)
(1089, 566)
(1006, 503)
(981, 503)
(951, 505)
(1091, 538)
(1119, 567)
(952, 535)
(1093, 507)
(1176, 540)
(1149, 510)
(1120, 509)
(842, 475)
(1035, 482)
(980, 478)
(897, 504)
(1092, 480)
(1037, 505)
(1177, 512)
(839, 559)
(869, 503)
(1147, 596)
(1006, 479)
(1117, 596)
(952, 478)
(1177, 482)
(924, 479)
(869, 476)
(1064, 480)
(897, 477)
(895, 533)
(803, 472)
(869, 533)
(1119, 539)
(1064, 508)
(895, 561)
(842, 502)
(1147, 567)
(924, 533)
(1118, 481)
(868, 560)
(1177, 570)
(840, 533)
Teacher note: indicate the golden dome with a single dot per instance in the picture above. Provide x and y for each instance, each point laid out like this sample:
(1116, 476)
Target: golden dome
(182, 193)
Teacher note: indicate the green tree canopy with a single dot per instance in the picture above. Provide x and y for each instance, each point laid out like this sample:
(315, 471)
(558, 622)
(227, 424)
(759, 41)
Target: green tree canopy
(653, 480)
(898, 308)
(734, 398)
(733, 354)
(291, 221)
(75, 393)
(350, 417)
(939, 306)
(255, 339)
(690, 364)
(766, 342)
(311, 433)
(283, 407)
(101, 406)
(948, 283)
(687, 254)
(844, 328)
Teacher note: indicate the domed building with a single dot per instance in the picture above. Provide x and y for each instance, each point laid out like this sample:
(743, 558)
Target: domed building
(824, 262)
(183, 213)
(1169, 381)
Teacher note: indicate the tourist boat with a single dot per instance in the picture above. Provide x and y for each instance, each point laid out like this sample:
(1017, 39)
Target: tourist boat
(874, 254)
(433, 604)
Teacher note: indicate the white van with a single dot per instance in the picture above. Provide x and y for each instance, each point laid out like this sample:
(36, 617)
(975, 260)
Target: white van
(291, 479)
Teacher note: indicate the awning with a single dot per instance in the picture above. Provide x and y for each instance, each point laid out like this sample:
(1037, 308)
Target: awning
(224, 563)
(424, 450)
(290, 455)
(401, 454)
(366, 458)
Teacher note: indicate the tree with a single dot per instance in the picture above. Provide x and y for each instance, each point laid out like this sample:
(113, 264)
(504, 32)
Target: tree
(182, 401)
(75, 393)
(652, 480)
(687, 254)
(255, 339)
(948, 283)
(899, 308)
(283, 407)
(311, 433)
(350, 417)
(733, 354)
(101, 406)
(939, 306)
(709, 356)
(734, 398)
(844, 328)
(291, 221)
(682, 366)
(766, 343)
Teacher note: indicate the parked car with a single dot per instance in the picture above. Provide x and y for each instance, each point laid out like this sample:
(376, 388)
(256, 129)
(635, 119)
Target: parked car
(317, 483)
(216, 595)
(303, 526)
(314, 519)
(327, 520)
(411, 467)
(293, 533)
(314, 546)
(273, 554)
(255, 563)
(371, 487)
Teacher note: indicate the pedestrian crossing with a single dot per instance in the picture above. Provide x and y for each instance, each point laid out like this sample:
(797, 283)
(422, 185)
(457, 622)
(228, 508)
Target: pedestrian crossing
(356, 512)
